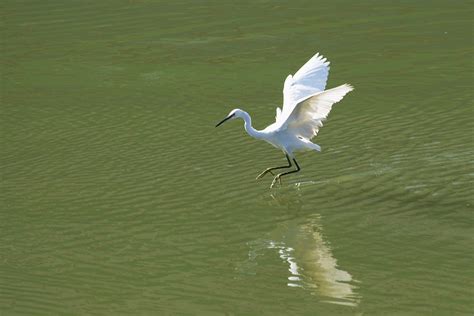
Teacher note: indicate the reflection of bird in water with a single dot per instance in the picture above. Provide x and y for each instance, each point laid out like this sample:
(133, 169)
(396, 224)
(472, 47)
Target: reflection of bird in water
(311, 263)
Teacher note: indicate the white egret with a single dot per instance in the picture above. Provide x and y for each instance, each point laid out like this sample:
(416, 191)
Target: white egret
(305, 106)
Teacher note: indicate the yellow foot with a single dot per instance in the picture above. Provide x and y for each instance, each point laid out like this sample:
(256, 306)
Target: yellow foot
(264, 173)
(277, 178)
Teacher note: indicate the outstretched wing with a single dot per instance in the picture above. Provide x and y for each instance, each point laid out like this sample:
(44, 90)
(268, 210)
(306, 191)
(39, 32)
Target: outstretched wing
(307, 116)
(307, 81)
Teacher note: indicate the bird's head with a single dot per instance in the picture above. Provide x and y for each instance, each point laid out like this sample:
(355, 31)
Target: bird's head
(235, 113)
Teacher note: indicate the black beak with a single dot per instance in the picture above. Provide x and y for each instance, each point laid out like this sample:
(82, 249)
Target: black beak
(227, 118)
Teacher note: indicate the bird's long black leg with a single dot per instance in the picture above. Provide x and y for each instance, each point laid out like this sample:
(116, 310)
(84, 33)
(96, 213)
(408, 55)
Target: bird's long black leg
(274, 168)
(278, 176)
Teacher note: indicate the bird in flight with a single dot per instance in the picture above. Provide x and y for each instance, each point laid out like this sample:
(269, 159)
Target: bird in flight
(305, 106)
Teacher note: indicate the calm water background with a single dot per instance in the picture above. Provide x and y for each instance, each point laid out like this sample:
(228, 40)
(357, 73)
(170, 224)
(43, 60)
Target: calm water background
(118, 195)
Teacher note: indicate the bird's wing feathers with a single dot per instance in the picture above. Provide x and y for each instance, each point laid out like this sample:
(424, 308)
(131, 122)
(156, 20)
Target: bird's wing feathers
(278, 113)
(308, 115)
(307, 81)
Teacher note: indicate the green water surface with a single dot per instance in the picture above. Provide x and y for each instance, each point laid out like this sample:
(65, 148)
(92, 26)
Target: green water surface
(118, 196)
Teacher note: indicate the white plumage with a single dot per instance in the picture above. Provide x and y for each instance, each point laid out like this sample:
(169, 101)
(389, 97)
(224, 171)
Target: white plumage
(305, 106)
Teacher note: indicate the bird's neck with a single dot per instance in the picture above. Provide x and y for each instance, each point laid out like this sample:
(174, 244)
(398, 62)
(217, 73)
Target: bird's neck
(248, 127)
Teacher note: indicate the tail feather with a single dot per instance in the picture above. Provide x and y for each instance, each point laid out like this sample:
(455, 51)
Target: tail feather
(316, 147)
(312, 146)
